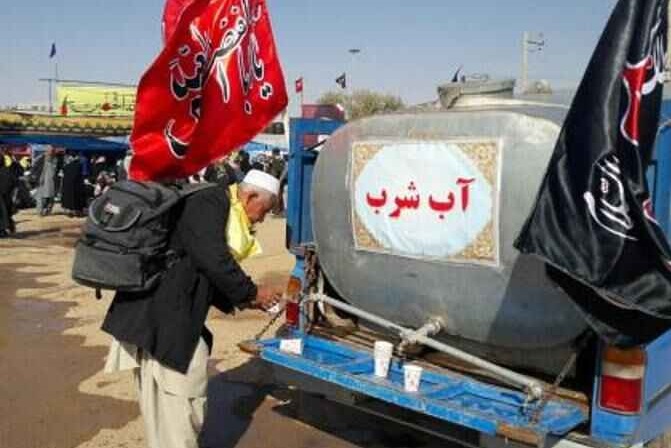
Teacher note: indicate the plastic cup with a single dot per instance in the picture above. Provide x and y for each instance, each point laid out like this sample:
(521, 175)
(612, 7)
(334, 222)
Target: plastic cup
(412, 376)
(382, 353)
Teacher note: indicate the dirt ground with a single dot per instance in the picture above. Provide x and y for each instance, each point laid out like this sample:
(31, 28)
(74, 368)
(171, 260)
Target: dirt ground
(53, 393)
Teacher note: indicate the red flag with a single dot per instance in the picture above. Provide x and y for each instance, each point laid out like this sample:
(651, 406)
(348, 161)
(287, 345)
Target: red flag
(216, 84)
(299, 85)
(171, 14)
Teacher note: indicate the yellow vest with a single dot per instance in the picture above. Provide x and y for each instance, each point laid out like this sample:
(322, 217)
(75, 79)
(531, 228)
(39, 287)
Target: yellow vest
(239, 230)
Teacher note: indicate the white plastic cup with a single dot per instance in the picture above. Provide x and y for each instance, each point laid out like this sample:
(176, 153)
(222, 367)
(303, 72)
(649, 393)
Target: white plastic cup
(412, 376)
(382, 353)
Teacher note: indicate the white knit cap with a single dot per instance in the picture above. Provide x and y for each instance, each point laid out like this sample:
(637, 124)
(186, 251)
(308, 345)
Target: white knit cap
(262, 180)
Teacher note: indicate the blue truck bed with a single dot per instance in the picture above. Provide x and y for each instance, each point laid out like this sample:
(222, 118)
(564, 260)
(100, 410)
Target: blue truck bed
(449, 396)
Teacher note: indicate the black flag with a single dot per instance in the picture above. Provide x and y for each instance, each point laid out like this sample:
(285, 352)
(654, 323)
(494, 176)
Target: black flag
(342, 80)
(593, 221)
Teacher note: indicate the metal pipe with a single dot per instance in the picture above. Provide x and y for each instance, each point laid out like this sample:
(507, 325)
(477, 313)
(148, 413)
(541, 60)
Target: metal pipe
(432, 327)
(357, 312)
(532, 387)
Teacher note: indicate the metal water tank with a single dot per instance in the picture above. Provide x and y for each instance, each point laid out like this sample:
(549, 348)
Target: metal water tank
(415, 214)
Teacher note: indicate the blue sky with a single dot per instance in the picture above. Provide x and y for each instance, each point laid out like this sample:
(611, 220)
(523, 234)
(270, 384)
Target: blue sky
(408, 47)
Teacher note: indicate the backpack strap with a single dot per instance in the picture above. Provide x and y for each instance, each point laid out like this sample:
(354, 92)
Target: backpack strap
(190, 189)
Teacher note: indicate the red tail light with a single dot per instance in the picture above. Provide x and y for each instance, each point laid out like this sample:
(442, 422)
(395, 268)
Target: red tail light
(622, 374)
(291, 311)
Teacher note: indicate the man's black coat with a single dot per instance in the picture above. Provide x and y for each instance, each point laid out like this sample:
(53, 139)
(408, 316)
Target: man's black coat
(169, 320)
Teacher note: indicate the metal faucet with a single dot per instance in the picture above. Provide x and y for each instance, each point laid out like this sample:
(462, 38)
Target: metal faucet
(411, 337)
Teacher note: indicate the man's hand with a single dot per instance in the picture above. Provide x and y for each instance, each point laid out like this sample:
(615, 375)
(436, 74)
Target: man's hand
(266, 297)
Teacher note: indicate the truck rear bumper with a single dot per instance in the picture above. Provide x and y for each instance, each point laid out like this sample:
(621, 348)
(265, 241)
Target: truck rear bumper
(454, 434)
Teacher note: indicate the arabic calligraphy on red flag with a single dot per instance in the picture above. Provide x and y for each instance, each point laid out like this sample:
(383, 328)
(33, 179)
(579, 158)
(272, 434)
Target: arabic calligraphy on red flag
(217, 83)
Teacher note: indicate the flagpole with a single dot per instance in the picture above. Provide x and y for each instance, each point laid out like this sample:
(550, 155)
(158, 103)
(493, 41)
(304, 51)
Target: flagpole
(56, 82)
(54, 56)
(51, 103)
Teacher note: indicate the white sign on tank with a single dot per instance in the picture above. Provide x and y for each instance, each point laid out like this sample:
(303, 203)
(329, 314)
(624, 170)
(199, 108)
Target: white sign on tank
(428, 199)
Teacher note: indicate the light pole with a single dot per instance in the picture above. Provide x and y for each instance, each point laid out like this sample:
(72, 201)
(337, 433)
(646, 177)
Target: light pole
(529, 45)
(353, 52)
(350, 86)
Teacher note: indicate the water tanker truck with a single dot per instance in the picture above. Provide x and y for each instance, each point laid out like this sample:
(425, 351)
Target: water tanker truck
(403, 228)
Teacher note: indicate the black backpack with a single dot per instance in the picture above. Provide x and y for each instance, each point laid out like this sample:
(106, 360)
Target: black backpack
(124, 242)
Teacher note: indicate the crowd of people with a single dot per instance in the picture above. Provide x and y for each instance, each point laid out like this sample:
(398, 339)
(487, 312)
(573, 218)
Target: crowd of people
(75, 179)
(52, 176)
(233, 169)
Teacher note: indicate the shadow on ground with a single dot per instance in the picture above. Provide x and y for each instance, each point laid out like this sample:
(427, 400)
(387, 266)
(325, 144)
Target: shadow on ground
(246, 409)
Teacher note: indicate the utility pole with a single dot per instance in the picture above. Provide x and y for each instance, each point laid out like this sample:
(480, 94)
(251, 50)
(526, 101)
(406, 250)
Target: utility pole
(529, 45)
